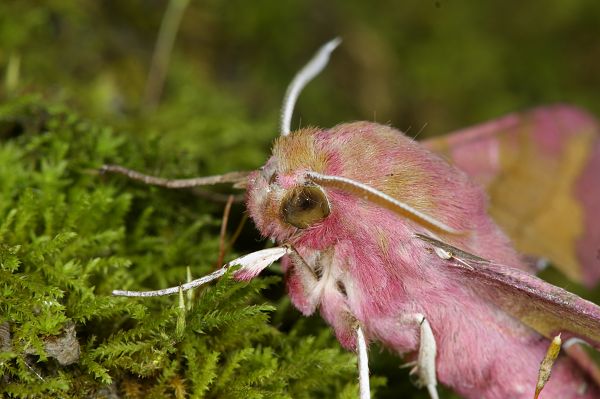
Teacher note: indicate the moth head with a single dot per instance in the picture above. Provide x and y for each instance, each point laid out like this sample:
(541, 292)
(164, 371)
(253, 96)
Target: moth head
(290, 193)
(281, 200)
(315, 177)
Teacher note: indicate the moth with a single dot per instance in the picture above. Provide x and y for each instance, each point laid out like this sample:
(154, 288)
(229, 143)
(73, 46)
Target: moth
(407, 244)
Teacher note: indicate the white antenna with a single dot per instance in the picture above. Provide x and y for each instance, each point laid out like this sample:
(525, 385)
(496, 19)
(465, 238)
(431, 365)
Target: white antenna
(305, 75)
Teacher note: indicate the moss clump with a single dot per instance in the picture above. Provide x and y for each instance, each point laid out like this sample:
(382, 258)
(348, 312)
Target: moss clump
(69, 236)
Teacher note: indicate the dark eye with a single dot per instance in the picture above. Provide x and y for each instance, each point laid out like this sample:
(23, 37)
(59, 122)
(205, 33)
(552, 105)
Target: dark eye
(304, 206)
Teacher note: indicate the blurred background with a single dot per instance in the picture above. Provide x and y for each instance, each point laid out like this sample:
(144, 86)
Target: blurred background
(212, 99)
(429, 66)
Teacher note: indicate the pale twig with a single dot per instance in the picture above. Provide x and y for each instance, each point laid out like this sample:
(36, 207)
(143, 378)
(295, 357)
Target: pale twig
(13, 69)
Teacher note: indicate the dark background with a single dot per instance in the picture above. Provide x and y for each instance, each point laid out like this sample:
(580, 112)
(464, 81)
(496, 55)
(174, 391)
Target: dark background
(438, 64)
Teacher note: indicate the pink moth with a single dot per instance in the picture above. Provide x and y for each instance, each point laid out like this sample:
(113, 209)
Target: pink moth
(393, 244)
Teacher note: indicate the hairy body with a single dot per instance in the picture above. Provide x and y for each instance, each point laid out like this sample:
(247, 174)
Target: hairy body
(371, 270)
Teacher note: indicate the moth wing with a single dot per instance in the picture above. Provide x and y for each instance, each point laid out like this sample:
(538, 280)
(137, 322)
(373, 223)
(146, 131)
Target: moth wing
(541, 171)
(548, 309)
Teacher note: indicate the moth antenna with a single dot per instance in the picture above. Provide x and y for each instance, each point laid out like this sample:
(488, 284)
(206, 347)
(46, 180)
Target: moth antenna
(218, 197)
(376, 196)
(238, 179)
(251, 265)
(305, 75)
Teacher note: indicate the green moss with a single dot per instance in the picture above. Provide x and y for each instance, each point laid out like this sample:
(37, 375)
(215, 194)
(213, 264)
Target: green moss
(69, 236)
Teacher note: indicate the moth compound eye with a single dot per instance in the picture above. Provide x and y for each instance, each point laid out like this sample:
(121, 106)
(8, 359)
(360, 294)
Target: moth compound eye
(305, 206)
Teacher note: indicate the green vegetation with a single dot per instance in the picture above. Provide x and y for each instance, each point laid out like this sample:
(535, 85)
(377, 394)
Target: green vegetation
(70, 236)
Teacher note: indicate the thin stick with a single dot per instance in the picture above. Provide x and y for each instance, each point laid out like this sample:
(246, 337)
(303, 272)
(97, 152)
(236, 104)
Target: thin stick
(223, 231)
(305, 75)
(162, 53)
(189, 294)
(232, 177)
(13, 68)
(33, 370)
(217, 197)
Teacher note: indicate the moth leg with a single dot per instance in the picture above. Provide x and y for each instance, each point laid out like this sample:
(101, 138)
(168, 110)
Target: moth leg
(363, 365)
(425, 364)
(309, 281)
(237, 178)
(307, 274)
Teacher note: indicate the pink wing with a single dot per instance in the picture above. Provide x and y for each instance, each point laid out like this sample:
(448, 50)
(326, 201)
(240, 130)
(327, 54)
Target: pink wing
(541, 170)
(544, 307)
(548, 309)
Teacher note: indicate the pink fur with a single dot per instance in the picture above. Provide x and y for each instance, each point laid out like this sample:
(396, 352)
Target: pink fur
(387, 273)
